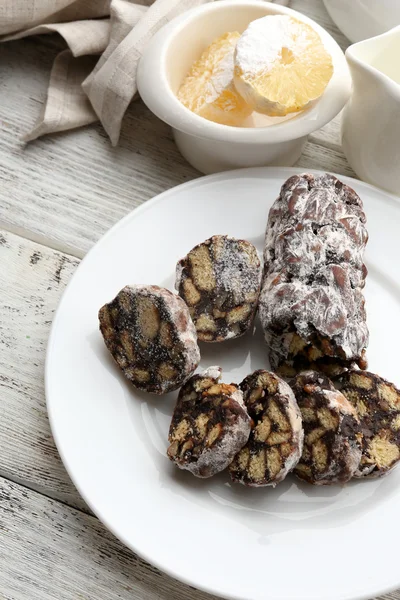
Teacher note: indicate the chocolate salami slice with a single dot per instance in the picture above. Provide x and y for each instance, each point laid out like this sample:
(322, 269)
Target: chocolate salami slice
(276, 440)
(312, 305)
(377, 403)
(209, 425)
(151, 337)
(332, 442)
(220, 282)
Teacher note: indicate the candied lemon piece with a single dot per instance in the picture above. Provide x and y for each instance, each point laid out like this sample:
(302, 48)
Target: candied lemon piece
(208, 89)
(281, 65)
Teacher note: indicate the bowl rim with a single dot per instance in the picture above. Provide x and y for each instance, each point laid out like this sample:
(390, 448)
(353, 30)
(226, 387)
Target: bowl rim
(155, 90)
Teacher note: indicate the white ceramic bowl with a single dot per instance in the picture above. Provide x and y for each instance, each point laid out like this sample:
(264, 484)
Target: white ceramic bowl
(209, 146)
(362, 19)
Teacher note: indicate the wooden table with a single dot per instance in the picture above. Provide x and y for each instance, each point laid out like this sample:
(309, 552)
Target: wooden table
(58, 195)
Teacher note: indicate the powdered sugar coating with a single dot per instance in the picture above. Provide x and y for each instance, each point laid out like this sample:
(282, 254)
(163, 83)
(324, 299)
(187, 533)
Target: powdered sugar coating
(223, 76)
(294, 415)
(216, 459)
(208, 89)
(281, 65)
(296, 423)
(205, 406)
(256, 51)
(220, 281)
(163, 360)
(214, 372)
(314, 271)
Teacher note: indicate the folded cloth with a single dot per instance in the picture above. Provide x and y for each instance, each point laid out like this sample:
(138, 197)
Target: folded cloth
(84, 88)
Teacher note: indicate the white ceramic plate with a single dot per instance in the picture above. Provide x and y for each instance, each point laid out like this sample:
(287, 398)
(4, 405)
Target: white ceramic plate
(297, 542)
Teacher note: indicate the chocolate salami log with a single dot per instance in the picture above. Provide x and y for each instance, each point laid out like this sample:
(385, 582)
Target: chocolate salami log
(312, 304)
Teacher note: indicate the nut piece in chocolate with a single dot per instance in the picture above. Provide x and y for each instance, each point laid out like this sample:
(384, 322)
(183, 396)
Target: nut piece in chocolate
(209, 425)
(220, 282)
(312, 304)
(377, 403)
(276, 440)
(149, 332)
(332, 442)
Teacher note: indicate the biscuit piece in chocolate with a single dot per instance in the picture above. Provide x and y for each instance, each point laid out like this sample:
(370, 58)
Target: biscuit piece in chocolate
(276, 440)
(220, 282)
(209, 425)
(332, 442)
(149, 332)
(312, 304)
(377, 403)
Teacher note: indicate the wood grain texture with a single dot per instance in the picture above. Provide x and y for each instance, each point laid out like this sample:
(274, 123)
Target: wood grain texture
(67, 189)
(50, 551)
(330, 136)
(31, 286)
(318, 156)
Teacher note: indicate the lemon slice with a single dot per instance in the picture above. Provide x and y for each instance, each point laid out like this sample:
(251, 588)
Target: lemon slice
(281, 65)
(208, 89)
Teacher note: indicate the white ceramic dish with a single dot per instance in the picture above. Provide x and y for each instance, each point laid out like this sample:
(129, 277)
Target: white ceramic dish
(211, 147)
(297, 542)
(362, 19)
(371, 118)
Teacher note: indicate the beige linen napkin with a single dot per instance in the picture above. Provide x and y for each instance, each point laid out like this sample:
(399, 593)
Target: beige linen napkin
(83, 88)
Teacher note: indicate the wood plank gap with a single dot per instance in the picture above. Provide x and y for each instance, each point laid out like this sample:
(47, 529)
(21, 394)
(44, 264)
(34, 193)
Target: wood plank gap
(37, 489)
(314, 139)
(42, 240)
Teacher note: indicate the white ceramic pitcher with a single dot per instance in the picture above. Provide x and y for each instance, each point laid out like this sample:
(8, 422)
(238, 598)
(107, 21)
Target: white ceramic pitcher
(371, 118)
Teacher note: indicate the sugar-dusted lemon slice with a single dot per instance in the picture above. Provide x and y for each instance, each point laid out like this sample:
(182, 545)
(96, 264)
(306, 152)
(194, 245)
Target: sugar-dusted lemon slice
(208, 89)
(281, 65)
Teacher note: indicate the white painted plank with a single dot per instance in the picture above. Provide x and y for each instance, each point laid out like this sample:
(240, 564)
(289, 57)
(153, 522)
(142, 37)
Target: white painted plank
(32, 279)
(71, 187)
(50, 551)
(329, 135)
(318, 156)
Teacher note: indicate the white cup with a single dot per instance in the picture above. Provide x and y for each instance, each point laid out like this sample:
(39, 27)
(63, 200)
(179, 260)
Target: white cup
(209, 146)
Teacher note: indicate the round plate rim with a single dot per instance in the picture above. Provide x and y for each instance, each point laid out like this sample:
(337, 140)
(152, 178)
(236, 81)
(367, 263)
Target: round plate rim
(281, 172)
